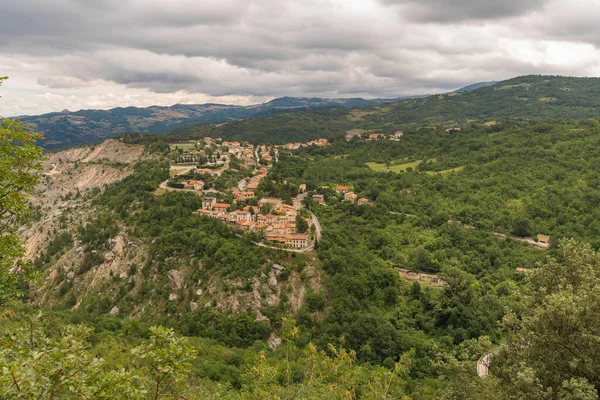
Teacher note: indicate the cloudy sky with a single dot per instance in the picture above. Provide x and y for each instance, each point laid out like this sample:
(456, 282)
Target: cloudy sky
(78, 54)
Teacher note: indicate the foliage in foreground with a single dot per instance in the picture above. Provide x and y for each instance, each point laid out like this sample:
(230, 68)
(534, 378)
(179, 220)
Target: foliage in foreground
(38, 365)
(19, 157)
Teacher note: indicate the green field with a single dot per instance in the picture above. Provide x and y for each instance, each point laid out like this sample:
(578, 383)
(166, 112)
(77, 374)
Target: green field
(380, 167)
(174, 146)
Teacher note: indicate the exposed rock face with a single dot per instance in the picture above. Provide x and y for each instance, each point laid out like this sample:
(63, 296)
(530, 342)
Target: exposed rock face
(272, 280)
(176, 278)
(109, 256)
(173, 297)
(193, 306)
(273, 341)
(114, 311)
(71, 275)
(278, 268)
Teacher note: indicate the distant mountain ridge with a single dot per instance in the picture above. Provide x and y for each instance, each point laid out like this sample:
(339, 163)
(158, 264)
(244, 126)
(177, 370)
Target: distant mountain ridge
(66, 128)
(526, 97)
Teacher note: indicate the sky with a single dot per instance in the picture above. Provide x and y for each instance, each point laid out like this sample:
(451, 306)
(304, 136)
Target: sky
(100, 54)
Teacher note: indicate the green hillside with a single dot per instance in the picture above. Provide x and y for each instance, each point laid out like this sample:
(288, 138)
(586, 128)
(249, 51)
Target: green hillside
(63, 129)
(526, 97)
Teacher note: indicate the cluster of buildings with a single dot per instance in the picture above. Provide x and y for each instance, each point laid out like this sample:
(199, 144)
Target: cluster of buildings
(349, 195)
(279, 226)
(356, 133)
(295, 146)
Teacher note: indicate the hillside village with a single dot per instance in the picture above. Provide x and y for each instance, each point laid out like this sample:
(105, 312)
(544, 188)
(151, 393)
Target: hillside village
(199, 165)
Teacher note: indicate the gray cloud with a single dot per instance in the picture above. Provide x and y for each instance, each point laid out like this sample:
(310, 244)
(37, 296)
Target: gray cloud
(463, 10)
(102, 53)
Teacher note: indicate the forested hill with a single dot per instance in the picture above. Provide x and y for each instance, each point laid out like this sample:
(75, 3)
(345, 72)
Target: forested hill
(62, 129)
(528, 97)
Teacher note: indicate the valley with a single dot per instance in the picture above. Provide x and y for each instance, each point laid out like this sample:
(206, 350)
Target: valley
(375, 251)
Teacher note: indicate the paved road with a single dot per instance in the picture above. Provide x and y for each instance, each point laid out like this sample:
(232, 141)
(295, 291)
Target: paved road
(317, 224)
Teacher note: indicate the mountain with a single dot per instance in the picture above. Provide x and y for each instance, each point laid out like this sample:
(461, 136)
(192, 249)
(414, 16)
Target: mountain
(475, 86)
(525, 97)
(66, 128)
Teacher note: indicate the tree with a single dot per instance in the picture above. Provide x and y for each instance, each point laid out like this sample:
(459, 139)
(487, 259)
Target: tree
(553, 352)
(301, 224)
(36, 366)
(19, 157)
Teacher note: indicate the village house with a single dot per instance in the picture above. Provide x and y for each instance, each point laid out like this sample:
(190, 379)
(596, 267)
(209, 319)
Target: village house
(342, 189)
(292, 146)
(221, 207)
(194, 184)
(319, 197)
(241, 215)
(396, 135)
(208, 202)
(376, 136)
(296, 241)
(245, 225)
(351, 196)
(255, 209)
(268, 219)
(243, 196)
(227, 218)
(274, 201)
(365, 202)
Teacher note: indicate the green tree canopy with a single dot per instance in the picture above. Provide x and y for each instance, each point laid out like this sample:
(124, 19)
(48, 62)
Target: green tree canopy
(19, 158)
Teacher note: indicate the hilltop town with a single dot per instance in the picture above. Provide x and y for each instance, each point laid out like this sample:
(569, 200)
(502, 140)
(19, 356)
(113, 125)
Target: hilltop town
(232, 178)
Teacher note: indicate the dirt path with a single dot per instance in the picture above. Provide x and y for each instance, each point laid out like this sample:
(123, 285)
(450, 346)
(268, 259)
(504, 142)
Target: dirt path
(53, 171)
(526, 240)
